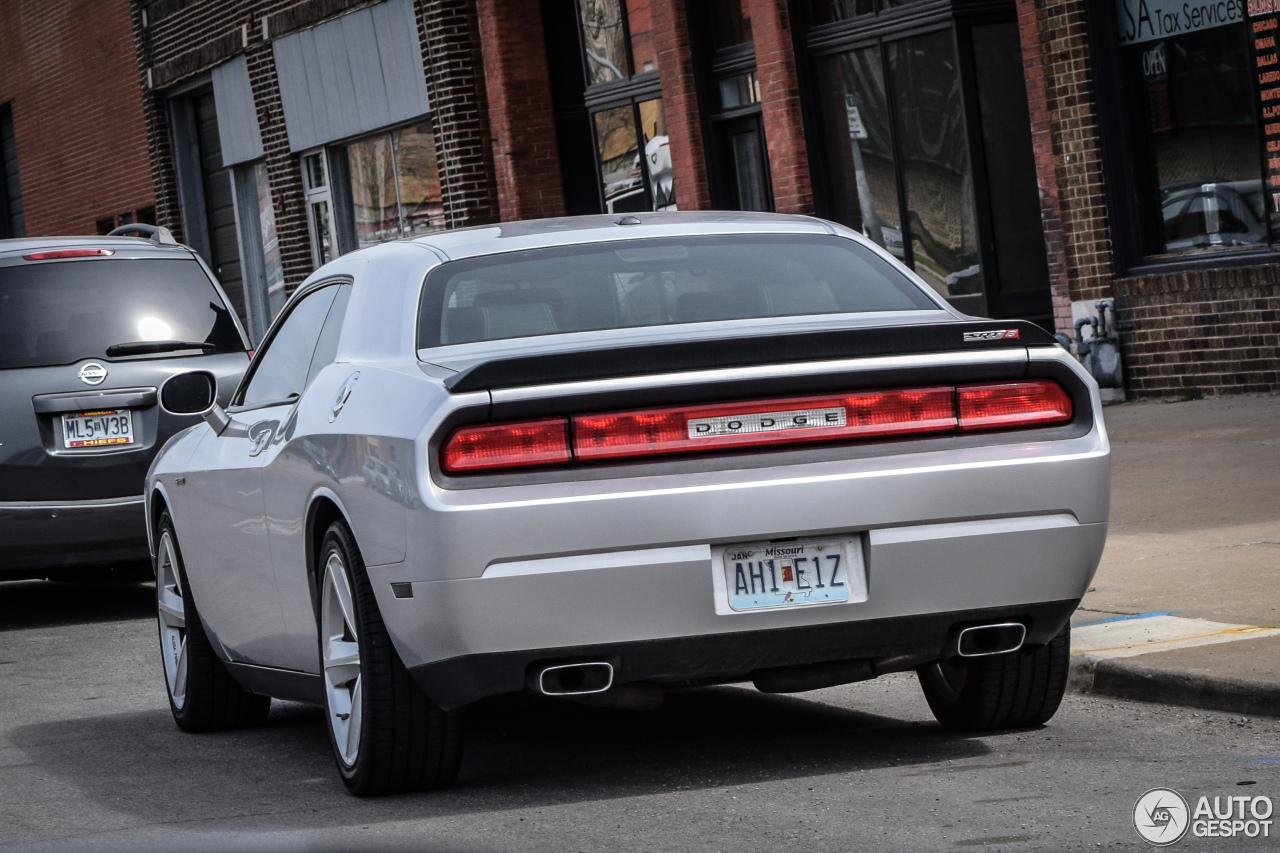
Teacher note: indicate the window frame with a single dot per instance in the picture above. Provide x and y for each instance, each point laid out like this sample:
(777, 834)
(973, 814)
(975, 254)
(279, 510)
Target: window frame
(1119, 180)
(336, 192)
(237, 405)
(898, 23)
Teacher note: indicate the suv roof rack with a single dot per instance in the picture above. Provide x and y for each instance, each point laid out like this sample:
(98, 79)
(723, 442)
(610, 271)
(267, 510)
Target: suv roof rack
(158, 233)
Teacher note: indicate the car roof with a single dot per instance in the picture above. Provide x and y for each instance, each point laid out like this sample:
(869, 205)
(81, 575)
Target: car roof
(570, 230)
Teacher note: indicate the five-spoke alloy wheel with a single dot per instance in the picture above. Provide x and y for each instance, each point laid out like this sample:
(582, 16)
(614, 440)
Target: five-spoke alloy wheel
(340, 654)
(173, 617)
(387, 736)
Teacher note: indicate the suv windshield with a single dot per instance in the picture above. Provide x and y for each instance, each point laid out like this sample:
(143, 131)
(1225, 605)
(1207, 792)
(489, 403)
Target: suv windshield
(656, 281)
(60, 312)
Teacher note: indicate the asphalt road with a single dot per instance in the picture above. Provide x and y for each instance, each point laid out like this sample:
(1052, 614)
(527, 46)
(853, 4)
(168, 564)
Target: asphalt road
(89, 758)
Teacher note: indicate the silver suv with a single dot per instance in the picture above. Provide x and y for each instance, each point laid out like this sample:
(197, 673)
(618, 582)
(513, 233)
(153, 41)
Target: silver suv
(103, 342)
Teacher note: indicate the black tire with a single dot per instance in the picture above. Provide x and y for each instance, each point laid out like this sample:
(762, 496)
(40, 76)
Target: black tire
(1010, 691)
(405, 741)
(212, 700)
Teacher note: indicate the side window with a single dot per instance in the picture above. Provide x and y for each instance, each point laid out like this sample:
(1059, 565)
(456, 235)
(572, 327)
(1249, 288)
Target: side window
(327, 349)
(282, 371)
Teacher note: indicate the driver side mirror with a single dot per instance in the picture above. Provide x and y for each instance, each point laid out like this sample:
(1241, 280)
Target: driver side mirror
(194, 393)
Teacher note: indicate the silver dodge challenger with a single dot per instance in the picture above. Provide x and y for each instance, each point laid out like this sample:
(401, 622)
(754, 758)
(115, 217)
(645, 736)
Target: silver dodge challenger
(602, 458)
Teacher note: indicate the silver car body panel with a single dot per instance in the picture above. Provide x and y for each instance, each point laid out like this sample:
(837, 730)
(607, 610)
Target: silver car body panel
(524, 566)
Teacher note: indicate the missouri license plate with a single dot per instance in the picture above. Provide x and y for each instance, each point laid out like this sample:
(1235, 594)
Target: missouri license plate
(799, 573)
(104, 428)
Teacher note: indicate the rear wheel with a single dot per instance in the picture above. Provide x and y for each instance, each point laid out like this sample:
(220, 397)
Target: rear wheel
(202, 694)
(387, 736)
(1008, 691)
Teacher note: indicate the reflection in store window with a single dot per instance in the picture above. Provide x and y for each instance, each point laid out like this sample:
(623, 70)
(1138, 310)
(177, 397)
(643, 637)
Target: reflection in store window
(604, 39)
(273, 265)
(739, 91)
(657, 154)
(373, 190)
(1198, 165)
(395, 185)
(418, 176)
(925, 82)
(635, 168)
(620, 160)
(864, 175)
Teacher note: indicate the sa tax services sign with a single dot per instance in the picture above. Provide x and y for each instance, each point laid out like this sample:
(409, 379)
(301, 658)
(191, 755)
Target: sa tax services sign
(1148, 20)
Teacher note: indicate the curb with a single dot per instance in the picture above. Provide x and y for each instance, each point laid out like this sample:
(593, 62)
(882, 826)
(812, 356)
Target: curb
(1126, 678)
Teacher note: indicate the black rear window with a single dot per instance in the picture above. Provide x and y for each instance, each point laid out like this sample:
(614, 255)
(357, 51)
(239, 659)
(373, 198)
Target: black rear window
(59, 312)
(655, 282)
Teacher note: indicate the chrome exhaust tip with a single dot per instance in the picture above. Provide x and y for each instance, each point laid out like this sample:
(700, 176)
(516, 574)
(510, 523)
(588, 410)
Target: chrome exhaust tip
(982, 640)
(575, 679)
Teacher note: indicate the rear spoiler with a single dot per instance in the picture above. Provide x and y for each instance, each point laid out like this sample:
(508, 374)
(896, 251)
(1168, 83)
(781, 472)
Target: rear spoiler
(610, 363)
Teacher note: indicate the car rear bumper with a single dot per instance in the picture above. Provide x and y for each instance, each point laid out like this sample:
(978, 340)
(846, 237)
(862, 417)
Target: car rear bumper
(654, 611)
(66, 534)
(733, 657)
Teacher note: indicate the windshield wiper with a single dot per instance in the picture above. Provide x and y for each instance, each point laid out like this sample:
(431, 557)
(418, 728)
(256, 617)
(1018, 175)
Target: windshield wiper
(142, 347)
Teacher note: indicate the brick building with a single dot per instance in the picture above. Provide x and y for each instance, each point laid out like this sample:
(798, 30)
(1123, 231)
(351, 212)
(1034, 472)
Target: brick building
(72, 134)
(1026, 157)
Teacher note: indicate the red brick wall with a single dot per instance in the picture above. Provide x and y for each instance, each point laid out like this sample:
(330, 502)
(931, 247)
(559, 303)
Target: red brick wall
(1216, 331)
(780, 106)
(680, 103)
(451, 56)
(526, 157)
(69, 72)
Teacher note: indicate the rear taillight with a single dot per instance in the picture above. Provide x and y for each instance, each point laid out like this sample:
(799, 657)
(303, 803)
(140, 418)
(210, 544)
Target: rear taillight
(1011, 405)
(520, 445)
(762, 422)
(59, 254)
(895, 413)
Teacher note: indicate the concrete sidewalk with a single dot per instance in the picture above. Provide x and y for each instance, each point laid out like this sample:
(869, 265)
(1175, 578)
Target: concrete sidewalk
(1185, 608)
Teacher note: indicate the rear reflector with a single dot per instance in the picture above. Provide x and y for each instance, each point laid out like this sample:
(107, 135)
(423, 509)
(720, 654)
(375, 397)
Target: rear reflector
(894, 413)
(762, 422)
(522, 445)
(1012, 405)
(68, 253)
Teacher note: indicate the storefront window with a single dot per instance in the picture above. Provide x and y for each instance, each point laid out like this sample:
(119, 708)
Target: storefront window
(619, 153)
(860, 147)
(1195, 114)
(657, 155)
(605, 41)
(934, 156)
(395, 185)
(739, 91)
(373, 190)
(273, 265)
(418, 176)
(730, 24)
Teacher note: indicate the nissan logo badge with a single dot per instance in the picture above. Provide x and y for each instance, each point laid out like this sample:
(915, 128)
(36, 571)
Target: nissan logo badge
(93, 373)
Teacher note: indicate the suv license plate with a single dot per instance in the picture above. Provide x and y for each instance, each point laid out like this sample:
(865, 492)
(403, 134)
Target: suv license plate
(97, 429)
(783, 575)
